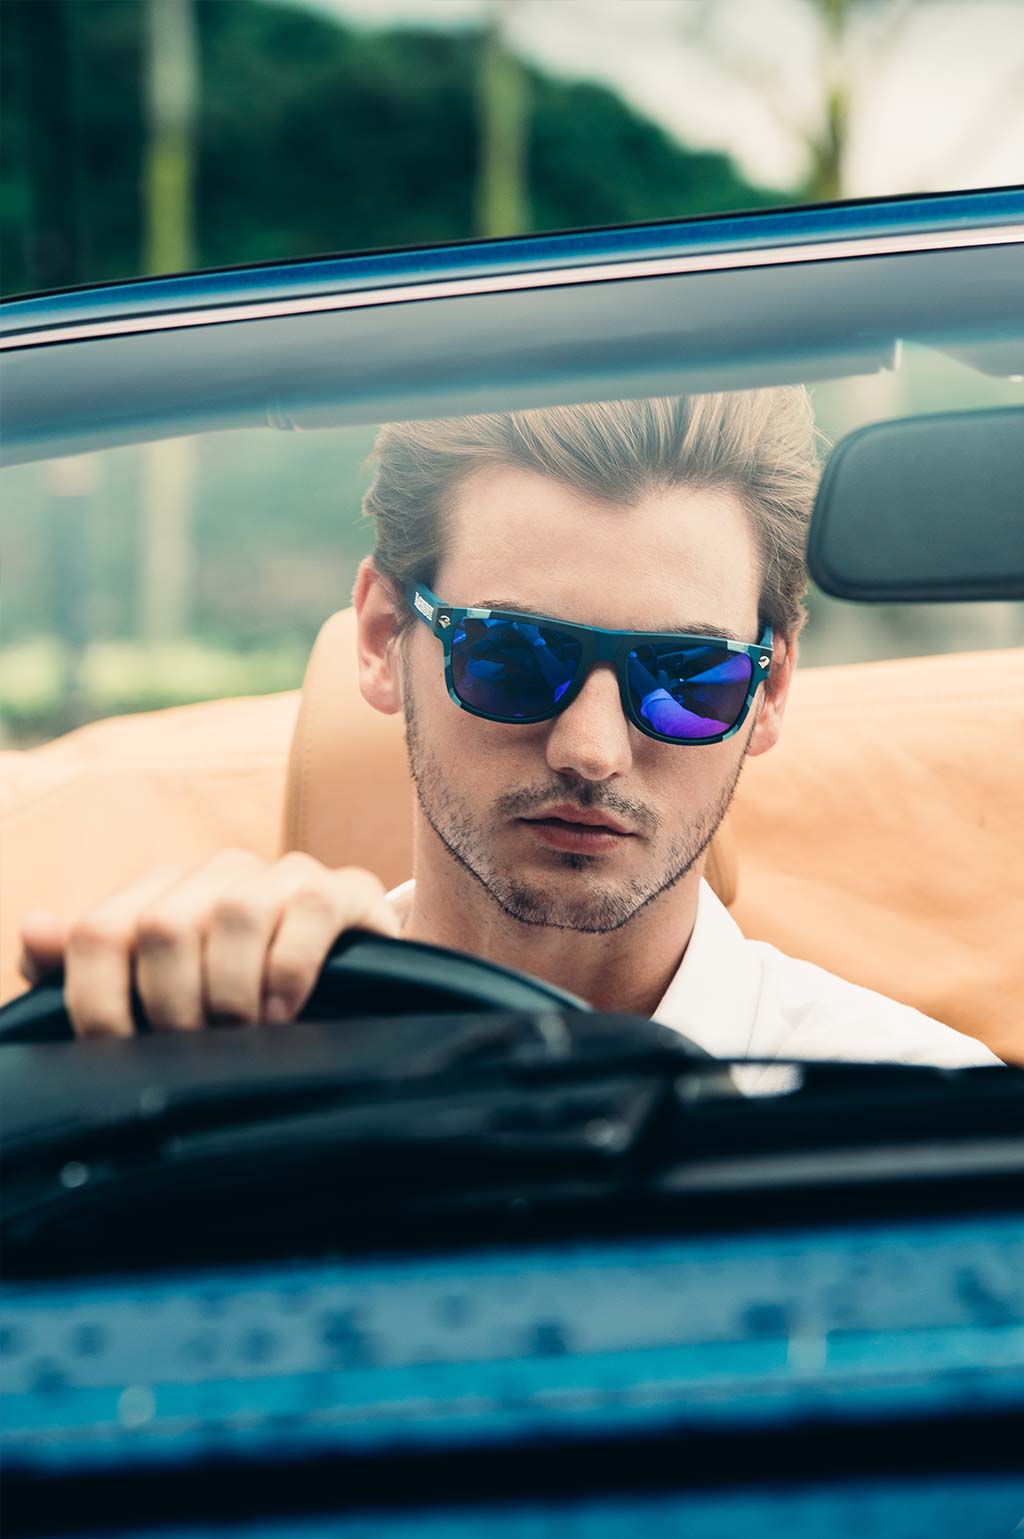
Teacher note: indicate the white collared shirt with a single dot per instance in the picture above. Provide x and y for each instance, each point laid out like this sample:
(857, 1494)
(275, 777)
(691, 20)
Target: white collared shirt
(741, 998)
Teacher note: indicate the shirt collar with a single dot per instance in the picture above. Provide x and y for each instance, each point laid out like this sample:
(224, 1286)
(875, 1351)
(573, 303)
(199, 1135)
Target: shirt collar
(714, 995)
(400, 898)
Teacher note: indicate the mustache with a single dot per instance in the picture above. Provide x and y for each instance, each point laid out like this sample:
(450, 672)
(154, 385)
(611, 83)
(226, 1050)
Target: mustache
(521, 803)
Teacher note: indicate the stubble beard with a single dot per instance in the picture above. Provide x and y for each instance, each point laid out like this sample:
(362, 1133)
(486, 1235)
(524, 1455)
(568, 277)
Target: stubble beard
(598, 910)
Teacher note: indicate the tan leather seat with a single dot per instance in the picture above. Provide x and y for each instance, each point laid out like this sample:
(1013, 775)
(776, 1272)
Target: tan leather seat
(882, 838)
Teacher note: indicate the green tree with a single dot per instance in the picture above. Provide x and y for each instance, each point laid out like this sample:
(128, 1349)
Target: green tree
(854, 40)
(311, 137)
(502, 196)
(172, 88)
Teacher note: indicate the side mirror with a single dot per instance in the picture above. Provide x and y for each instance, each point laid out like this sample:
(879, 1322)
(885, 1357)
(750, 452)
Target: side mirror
(923, 510)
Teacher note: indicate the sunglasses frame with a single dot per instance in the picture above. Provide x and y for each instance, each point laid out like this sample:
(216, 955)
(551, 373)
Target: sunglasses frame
(598, 645)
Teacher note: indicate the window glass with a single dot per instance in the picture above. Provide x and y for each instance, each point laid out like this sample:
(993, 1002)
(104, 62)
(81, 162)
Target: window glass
(202, 567)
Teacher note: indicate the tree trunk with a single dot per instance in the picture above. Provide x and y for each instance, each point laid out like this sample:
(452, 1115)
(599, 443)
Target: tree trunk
(502, 206)
(169, 469)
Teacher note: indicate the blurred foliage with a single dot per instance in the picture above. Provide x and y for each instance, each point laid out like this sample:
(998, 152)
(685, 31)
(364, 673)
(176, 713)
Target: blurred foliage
(310, 137)
(307, 137)
(277, 529)
(117, 677)
(303, 136)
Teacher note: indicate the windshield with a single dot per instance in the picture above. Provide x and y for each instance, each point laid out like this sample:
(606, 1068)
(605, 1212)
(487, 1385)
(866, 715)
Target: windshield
(202, 568)
(172, 590)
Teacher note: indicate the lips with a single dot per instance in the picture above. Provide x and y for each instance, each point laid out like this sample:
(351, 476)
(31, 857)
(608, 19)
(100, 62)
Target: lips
(575, 837)
(578, 817)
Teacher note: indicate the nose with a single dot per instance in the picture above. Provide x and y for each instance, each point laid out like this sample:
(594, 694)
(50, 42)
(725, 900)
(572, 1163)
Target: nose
(591, 736)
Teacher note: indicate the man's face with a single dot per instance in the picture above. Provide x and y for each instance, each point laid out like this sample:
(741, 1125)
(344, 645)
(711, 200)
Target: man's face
(521, 540)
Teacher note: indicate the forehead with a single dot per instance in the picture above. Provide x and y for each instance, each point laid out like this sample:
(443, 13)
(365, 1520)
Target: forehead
(679, 556)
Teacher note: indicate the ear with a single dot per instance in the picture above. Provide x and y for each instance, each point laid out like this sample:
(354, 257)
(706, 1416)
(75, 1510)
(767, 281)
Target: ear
(776, 692)
(377, 647)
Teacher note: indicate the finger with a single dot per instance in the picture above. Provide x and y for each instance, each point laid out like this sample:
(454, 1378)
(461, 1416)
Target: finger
(311, 921)
(245, 920)
(238, 934)
(43, 941)
(171, 936)
(98, 958)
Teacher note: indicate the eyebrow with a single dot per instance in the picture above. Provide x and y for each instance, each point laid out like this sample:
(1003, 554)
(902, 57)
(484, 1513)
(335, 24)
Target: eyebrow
(710, 631)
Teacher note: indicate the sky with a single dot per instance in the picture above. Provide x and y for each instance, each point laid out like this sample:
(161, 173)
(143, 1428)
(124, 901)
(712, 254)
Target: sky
(937, 86)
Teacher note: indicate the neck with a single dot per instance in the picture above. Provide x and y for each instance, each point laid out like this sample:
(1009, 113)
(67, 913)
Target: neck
(625, 970)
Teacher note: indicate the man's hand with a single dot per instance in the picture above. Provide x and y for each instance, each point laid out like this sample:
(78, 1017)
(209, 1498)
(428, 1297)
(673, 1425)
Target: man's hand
(238, 940)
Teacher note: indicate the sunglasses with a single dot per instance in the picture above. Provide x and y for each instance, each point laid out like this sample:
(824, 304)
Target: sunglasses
(512, 667)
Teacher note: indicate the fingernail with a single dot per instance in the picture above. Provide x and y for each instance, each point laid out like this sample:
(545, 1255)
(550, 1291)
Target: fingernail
(276, 1011)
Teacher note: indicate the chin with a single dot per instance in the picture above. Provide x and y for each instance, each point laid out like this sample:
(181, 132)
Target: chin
(557, 906)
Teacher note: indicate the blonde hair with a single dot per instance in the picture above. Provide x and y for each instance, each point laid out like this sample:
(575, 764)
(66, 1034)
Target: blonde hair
(761, 444)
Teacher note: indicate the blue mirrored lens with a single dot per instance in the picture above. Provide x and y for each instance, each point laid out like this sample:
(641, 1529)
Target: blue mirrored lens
(510, 669)
(689, 693)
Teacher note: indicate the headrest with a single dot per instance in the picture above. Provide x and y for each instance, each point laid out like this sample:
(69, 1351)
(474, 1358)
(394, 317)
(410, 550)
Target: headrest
(349, 796)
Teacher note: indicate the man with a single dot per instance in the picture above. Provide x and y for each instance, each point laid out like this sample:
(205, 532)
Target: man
(569, 780)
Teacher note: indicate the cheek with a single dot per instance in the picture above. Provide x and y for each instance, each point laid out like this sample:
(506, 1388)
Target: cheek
(421, 666)
(466, 743)
(689, 777)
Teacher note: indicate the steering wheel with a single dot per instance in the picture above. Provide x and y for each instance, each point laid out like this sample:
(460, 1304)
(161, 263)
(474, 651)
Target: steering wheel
(364, 974)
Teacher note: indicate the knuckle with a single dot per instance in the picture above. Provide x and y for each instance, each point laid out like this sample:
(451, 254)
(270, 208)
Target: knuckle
(300, 863)
(97, 932)
(160, 929)
(361, 897)
(359, 881)
(313, 902)
(238, 912)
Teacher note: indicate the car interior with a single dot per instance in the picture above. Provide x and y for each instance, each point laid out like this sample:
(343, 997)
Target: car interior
(890, 859)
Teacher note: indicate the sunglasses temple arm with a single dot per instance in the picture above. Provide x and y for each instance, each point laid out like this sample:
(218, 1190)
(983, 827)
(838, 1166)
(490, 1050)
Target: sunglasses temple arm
(424, 604)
